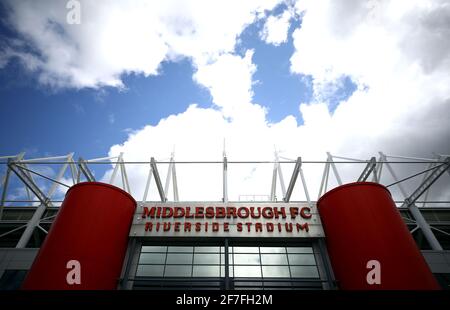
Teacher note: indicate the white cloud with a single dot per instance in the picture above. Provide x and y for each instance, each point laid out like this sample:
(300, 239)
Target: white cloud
(276, 28)
(401, 105)
(395, 52)
(117, 37)
(229, 81)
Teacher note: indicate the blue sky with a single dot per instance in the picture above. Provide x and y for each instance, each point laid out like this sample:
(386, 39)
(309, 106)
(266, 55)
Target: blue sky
(42, 120)
(330, 78)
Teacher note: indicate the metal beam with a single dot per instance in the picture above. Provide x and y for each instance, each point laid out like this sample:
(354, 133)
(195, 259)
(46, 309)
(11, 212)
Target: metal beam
(410, 204)
(28, 181)
(225, 180)
(157, 180)
(294, 176)
(368, 170)
(333, 166)
(84, 168)
(273, 188)
(175, 184)
(433, 177)
(116, 168)
(147, 184)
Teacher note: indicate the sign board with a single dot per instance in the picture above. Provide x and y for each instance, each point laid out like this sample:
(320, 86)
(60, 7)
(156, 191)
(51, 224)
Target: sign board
(182, 219)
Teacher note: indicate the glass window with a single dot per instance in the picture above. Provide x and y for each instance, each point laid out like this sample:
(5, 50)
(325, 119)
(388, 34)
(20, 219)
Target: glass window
(245, 249)
(150, 271)
(275, 271)
(178, 271)
(246, 259)
(247, 271)
(301, 259)
(175, 249)
(274, 259)
(206, 271)
(173, 258)
(273, 249)
(206, 249)
(304, 272)
(230, 259)
(206, 259)
(152, 258)
(146, 248)
(299, 250)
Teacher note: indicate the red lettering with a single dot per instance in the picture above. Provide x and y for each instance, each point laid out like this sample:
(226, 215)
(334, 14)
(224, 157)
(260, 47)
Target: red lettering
(252, 212)
(288, 227)
(248, 226)
(176, 226)
(269, 227)
(277, 212)
(267, 213)
(178, 212)
(231, 212)
(166, 226)
(215, 226)
(167, 212)
(199, 212)
(243, 212)
(302, 227)
(188, 213)
(148, 226)
(146, 212)
(226, 226)
(198, 226)
(258, 227)
(209, 212)
(239, 227)
(220, 212)
(305, 213)
(293, 212)
(187, 226)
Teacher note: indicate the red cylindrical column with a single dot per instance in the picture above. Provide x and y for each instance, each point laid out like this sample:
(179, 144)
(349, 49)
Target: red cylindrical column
(362, 224)
(91, 228)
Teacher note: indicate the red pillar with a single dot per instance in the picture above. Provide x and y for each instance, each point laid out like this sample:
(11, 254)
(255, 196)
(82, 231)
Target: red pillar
(92, 228)
(362, 223)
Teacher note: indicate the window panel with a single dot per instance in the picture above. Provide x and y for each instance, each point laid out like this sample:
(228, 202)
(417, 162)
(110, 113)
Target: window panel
(301, 259)
(206, 249)
(206, 271)
(178, 271)
(273, 249)
(150, 271)
(152, 248)
(245, 249)
(206, 259)
(247, 271)
(246, 259)
(304, 272)
(152, 258)
(300, 250)
(274, 259)
(175, 249)
(276, 271)
(175, 258)
(230, 259)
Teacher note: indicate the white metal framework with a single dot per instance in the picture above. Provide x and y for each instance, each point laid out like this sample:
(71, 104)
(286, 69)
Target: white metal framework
(41, 196)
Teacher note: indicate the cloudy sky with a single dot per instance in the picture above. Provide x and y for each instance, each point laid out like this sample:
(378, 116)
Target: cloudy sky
(304, 77)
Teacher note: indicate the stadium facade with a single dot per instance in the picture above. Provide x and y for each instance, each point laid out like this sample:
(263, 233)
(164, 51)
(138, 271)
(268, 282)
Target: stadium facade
(356, 235)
